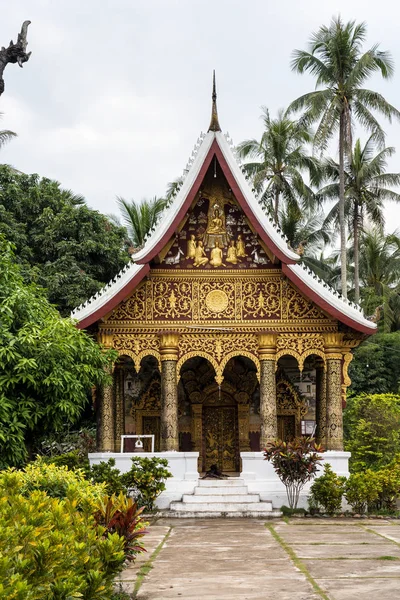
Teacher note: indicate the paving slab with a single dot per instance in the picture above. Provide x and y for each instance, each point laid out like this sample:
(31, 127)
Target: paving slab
(350, 568)
(366, 588)
(346, 551)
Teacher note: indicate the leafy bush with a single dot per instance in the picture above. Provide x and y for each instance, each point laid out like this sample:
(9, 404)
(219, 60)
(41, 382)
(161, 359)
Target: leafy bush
(50, 550)
(327, 490)
(121, 515)
(107, 473)
(146, 479)
(59, 482)
(362, 490)
(73, 460)
(388, 480)
(80, 442)
(372, 430)
(295, 463)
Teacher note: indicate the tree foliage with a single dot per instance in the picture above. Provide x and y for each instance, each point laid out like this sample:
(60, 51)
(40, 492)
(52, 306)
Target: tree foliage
(140, 217)
(47, 365)
(374, 369)
(61, 243)
(372, 430)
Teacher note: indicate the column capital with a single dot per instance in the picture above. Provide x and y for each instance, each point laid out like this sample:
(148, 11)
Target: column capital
(267, 346)
(105, 339)
(169, 346)
(333, 343)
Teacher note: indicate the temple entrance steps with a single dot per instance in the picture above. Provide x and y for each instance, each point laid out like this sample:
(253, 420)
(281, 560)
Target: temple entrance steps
(222, 498)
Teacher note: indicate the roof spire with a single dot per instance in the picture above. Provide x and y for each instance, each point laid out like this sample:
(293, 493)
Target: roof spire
(214, 124)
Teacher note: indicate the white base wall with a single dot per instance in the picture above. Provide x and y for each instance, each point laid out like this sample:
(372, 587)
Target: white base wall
(183, 466)
(260, 477)
(258, 474)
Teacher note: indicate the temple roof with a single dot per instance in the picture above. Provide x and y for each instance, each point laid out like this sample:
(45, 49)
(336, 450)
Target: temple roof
(210, 145)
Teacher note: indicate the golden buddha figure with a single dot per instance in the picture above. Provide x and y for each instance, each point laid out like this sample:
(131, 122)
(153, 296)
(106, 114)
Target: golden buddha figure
(240, 247)
(191, 247)
(200, 257)
(232, 254)
(216, 224)
(216, 256)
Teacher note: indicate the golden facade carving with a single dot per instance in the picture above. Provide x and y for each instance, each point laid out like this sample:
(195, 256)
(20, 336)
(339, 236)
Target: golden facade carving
(137, 346)
(300, 346)
(252, 298)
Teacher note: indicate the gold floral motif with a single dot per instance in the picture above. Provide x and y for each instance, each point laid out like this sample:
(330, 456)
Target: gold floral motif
(181, 297)
(268, 413)
(137, 347)
(261, 299)
(334, 432)
(217, 301)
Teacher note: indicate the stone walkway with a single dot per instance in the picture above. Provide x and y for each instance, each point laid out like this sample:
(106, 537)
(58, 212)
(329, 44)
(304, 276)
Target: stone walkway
(248, 559)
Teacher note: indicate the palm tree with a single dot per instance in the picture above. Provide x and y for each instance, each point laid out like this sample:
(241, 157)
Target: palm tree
(278, 161)
(366, 190)
(173, 187)
(140, 218)
(336, 59)
(5, 135)
(380, 274)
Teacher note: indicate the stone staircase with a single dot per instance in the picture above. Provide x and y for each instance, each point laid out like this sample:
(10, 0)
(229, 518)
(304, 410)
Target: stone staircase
(222, 498)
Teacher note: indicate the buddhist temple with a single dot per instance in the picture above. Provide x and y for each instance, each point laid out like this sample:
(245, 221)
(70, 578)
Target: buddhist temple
(226, 341)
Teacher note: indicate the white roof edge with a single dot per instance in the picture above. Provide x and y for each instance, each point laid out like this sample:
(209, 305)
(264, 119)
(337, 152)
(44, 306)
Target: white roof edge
(336, 300)
(167, 217)
(126, 274)
(264, 220)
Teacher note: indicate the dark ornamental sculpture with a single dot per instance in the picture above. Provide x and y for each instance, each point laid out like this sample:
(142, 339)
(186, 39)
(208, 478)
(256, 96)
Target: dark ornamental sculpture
(15, 53)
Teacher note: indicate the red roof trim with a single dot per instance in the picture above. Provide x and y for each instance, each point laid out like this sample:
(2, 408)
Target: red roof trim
(247, 209)
(114, 300)
(331, 310)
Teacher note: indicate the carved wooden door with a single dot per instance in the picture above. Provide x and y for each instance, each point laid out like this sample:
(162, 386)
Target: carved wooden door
(286, 427)
(220, 438)
(151, 425)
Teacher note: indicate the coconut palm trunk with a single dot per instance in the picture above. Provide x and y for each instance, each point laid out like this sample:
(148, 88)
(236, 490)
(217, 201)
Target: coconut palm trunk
(276, 205)
(342, 222)
(356, 249)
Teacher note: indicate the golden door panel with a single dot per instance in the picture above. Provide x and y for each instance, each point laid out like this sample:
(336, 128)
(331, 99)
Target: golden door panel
(151, 425)
(286, 427)
(220, 438)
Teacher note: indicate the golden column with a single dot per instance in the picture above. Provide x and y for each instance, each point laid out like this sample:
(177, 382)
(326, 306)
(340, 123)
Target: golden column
(321, 403)
(106, 408)
(334, 412)
(169, 391)
(269, 419)
(119, 407)
(105, 419)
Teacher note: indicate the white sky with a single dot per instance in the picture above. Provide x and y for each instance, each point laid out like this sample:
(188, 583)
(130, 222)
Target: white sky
(116, 92)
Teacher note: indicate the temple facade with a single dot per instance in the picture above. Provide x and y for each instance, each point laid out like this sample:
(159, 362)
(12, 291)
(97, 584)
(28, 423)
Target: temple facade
(225, 340)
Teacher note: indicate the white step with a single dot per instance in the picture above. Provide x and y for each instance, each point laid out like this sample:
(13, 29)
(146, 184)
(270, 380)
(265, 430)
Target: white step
(221, 482)
(225, 507)
(229, 489)
(229, 498)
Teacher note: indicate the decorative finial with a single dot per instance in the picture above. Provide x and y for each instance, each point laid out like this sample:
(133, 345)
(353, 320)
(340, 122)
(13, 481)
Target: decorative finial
(214, 124)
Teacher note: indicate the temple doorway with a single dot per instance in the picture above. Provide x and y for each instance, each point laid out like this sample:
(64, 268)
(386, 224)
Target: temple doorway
(220, 432)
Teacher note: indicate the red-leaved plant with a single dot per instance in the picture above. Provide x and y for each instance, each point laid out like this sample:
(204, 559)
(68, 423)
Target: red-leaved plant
(119, 514)
(295, 463)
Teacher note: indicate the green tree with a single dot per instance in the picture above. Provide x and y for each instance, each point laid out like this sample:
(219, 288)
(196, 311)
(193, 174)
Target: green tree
(380, 277)
(140, 218)
(61, 244)
(367, 187)
(47, 365)
(372, 430)
(336, 59)
(374, 369)
(278, 161)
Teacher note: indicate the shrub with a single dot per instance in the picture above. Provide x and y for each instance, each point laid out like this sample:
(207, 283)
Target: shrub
(59, 482)
(121, 515)
(327, 490)
(362, 490)
(72, 460)
(50, 550)
(146, 479)
(295, 463)
(107, 473)
(82, 442)
(388, 480)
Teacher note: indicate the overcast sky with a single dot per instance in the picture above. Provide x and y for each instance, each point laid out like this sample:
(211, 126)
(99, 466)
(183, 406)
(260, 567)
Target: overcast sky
(116, 92)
